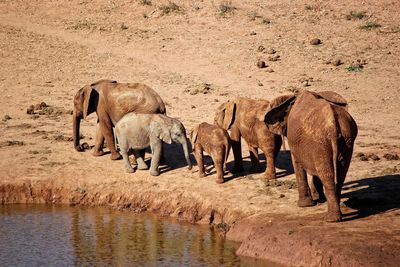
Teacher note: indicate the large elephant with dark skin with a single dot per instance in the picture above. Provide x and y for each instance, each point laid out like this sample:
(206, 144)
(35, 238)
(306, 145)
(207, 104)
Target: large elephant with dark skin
(244, 117)
(111, 101)
(321, 135)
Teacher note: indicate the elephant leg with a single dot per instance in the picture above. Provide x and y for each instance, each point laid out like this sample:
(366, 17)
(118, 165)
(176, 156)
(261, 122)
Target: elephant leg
(106, 128)
(198, 154)
(255, 161)
(218, 163)
(328, 180)
(318, 186)
(140, 160)
(99, 143)
(155, 156)
(237, 151)
(127, 163)
(305, 198)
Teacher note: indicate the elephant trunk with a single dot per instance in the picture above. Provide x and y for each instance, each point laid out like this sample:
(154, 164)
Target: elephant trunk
(75, 132)
(186, 152)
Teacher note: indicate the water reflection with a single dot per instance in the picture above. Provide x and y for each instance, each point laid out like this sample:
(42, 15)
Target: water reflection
(37, 235)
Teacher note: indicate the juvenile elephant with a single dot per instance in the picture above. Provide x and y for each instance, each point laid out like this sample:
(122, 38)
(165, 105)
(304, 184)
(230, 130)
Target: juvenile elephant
(245, 118)
(139, 131)
(111, 101)
(321, 135)
(213, 140)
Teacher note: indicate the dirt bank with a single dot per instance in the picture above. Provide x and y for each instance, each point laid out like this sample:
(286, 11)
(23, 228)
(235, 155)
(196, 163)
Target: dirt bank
(197, 56)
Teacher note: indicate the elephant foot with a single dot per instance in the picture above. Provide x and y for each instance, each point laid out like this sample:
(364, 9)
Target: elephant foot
(154, 173)
(237, 169)
(306, 202)
(202, 174)
(270, 176)
(130, 170)
(333, 217)
(98, 153)
(220, 180)
(115, 156)
(143, 166)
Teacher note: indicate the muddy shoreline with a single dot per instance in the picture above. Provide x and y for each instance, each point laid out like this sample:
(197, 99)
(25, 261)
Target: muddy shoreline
(280, 238)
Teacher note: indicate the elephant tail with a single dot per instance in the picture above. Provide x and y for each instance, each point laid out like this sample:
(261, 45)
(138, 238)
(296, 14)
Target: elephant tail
(335, 158)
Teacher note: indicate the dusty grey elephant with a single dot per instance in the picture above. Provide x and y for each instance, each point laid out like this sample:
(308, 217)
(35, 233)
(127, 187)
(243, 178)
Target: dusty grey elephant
(139, 131)
(321, 135)
(111, 101)
(244, 117)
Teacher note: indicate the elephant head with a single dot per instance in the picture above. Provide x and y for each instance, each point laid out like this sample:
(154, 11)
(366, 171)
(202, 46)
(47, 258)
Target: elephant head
(276, 117)
(172, 131)
(85, 102)
(225, 114)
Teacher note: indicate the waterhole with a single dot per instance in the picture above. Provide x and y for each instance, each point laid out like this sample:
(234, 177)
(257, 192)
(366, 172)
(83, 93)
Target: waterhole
(47, 235)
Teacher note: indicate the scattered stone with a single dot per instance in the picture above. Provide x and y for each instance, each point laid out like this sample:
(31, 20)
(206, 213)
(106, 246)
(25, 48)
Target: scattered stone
(30, 110)
(85, 146)
(253, 33)
(374, 157)
(389, 156)
(41, 106)
(6, 117)
(315, 41)
(193, 106)
(337, 62)
(362, 156)
(204, 88)
(61, 137)
(269, 70)
(69, 112)
(270, 51)
(281, 196)
(34, 152)
(12, 143)
(306, 83)
(261, 64)
(261, 48)
(260, 84)
(274, 58)
(281, 183)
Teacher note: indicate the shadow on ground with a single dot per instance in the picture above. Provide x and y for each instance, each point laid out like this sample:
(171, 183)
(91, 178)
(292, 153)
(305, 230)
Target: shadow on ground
(372, 196)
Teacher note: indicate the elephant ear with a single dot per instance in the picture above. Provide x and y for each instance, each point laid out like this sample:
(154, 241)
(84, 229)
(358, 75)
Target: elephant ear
(333, 97)
(229, 116)
(276, 117)
(160, 132)
(193, 134)
(87, 99)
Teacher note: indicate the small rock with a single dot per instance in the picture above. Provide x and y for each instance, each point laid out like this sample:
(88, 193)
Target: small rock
(389, 156)
(260, 84)
(41, 106)
(362, 156)
(30, 110)
(253, 33)
(260, 48)
(306, 83)
(337, 62)
(6, 117)
(85, 146)
(270, 51)
(269, 70)
(261, 64)
(374, 157)
(281, 195)
(70, 112)
(274, 58)
(193, 106)
(315, 41)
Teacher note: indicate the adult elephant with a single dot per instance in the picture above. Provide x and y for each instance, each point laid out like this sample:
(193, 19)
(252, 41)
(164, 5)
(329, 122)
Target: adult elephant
(111, 101)
(244, 117)
(321, 135)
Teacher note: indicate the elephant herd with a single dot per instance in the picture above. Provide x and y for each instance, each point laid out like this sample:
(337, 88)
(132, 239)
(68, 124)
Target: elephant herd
(318, 128)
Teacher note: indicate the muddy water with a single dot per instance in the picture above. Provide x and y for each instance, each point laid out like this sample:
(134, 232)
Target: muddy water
(45, 235)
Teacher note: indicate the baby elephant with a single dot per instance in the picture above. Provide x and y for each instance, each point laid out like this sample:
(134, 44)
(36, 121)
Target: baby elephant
(139, 131)
(215, 141)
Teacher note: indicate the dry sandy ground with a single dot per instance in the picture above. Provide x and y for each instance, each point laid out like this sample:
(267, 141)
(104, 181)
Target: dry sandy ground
(50, 49)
